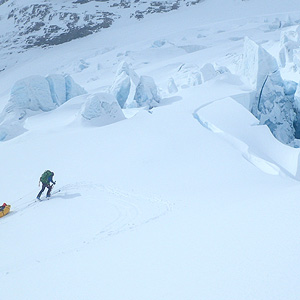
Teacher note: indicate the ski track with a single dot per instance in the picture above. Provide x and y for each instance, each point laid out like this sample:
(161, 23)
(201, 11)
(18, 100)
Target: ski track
(129, 212)
(132, 210)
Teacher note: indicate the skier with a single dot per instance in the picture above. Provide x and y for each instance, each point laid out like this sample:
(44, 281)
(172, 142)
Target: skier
(46, 179)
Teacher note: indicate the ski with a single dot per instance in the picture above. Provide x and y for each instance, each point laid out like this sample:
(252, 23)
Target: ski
(47, 198)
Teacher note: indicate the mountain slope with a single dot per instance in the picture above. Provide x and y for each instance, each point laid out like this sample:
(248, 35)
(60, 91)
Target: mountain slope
(28, 24)
(175, 202)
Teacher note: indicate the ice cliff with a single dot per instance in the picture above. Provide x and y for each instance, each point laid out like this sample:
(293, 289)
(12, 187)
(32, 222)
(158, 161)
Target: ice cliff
(274, 101)
(44, 93)
(32, 95)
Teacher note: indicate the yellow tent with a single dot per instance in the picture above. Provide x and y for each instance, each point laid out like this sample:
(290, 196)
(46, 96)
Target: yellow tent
(4, 211)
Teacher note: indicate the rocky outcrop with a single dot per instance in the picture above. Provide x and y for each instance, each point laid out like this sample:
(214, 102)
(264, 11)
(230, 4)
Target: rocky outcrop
(161, 7)
(35, 23)
(26, 24)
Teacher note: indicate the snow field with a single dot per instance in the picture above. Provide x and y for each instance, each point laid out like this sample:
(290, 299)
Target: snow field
(154, 206)
(218, 232)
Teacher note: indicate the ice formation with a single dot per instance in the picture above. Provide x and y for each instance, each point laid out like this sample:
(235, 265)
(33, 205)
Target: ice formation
(187, 75)
(256, 64)
(289, 41)
(72, 88)
(57, 88)
(297, 110)
(40, 93)
(124, 85)
(101, 109)
(208, 72)
(273, 103)
(32, 95)
(172, 88)
(146, 92)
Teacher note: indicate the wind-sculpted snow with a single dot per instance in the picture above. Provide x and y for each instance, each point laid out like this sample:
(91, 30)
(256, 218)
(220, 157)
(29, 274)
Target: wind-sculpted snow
(101, 109)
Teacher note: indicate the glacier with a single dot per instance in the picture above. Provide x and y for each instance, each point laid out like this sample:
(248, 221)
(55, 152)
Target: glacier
(289, 42)
(101, 109)
(208, 72)
(187, 75)
(32, 95)
(274, 102)
(124, 85)
(45, 94)
(146, 92)
(197, 179)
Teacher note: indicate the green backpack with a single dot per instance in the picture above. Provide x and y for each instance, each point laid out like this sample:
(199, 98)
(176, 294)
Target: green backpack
(45, 176)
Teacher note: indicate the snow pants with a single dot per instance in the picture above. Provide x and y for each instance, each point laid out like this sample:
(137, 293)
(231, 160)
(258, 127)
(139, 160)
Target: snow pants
(48, 186)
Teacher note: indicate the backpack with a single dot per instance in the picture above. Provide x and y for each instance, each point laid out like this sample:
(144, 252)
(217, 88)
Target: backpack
(45, 176)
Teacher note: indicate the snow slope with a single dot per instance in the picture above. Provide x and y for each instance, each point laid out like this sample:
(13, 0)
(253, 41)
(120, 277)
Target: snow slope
(189, 200)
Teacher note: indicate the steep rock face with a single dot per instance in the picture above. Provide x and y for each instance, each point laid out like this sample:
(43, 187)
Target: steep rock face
(50, 24)
(159, 7)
